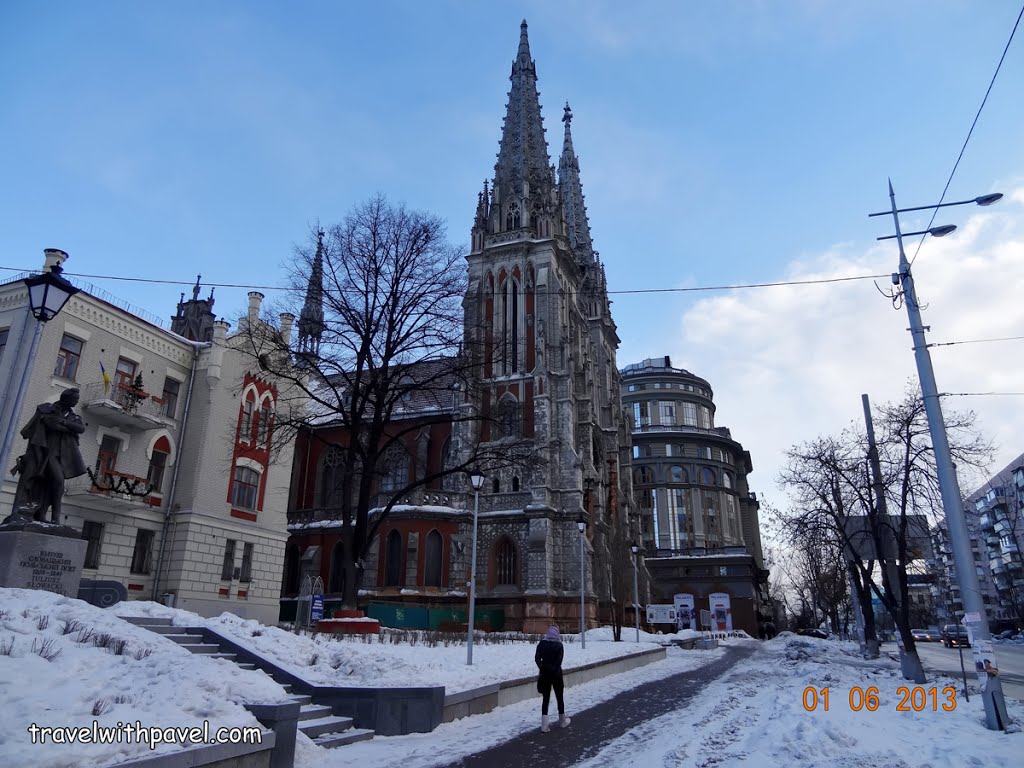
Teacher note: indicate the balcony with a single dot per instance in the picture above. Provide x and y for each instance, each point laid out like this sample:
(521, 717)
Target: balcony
(118, 489)
(123, 406)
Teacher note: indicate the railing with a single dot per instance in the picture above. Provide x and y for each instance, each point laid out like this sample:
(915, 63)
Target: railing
(128, 399)
(122, 485)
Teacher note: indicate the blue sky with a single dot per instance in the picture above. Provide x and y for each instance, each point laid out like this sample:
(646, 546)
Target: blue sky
(719, 143)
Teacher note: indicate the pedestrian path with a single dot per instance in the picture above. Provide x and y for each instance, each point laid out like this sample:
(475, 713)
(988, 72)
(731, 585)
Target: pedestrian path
(592, 728)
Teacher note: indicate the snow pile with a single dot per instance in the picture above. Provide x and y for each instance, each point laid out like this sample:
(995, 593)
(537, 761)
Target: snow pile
(62, 659)
(359, 660)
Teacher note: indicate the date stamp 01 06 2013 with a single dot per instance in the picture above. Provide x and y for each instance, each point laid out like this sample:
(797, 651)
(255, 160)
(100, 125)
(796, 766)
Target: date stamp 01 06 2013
(911, 699)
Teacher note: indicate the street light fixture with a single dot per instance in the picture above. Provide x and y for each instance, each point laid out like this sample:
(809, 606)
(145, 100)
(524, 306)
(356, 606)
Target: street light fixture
(477, 481)
(581, 523)
(949, 488)
(636, 590)
(48, 292)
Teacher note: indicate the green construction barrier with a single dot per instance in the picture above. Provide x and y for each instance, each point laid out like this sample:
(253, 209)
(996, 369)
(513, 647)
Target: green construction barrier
(399, 616)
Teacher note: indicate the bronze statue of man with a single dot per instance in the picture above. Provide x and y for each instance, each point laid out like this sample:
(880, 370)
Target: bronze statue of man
(51, 458)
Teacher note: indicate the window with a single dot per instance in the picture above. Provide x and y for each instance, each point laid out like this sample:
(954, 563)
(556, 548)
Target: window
(396, 469)
(678, 474)
(667, 412)
(246, 485)
(705, 417)
(432, 560)
(506, 562)
(227, 569)
(124, 374)
(643, 475)
(246, 563)
(707, 476)
(496, 486)
(106, 459)
(690, 414)
(726, 480)
(245, 426)
(170, 397)
(641, 413)
(331, 478)
(509, 417)
(263, 429)
(67, 358)
(143, 551)
(3, 341)
(292, 570)
(393, 560)
(92, 532)
(158, 463)
(515, 483)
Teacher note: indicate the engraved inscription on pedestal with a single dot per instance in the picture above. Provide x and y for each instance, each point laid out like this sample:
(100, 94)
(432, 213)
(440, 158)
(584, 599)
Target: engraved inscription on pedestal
(39, 561)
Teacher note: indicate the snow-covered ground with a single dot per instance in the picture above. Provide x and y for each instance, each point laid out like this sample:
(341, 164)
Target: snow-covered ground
(354, 661)
(153, 681)
(754, 714)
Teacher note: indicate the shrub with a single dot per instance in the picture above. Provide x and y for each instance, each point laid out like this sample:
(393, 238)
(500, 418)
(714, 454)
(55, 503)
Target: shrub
(46, 648)
(100, 707)
(6, 646)
(42, 622)
(142, 653)
(70, 626)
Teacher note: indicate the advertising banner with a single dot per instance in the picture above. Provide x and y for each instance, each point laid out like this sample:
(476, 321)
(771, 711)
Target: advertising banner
(686, 616)
(721, 612)
(661, 614)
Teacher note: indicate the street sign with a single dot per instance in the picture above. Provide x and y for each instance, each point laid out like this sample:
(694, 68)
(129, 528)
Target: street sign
(316, 611)
(661, 614)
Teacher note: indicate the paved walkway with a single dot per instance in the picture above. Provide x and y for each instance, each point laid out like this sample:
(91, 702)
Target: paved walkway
(592, 728)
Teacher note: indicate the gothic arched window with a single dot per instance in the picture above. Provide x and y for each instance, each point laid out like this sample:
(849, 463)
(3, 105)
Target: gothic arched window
(513, 216)
(396, 469)
(509, 417)
(506, 563)
(432, 553)
(330, 495)
(393, 560)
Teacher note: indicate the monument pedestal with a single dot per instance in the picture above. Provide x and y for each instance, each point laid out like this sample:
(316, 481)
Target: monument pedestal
(42, 556)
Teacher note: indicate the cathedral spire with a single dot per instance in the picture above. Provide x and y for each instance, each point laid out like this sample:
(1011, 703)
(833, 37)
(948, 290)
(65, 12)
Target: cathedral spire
(311, 319)
(571, 188)
(521, 175)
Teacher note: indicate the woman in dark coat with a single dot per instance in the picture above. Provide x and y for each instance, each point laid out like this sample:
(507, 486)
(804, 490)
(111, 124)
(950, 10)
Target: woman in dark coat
(549, 662)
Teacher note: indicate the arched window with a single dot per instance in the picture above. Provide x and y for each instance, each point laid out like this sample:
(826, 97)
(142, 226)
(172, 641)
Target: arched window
(513, 216)
(245, 487)
(432, 554)
(396, 469)
(506, 563)
(330, 492)
(496, 486)
(337, 579)
(643, 476)
(245, 422)
(726, 480)
(292, 569)
(707, 476)
(515, 483)
(509, 417)
(393, 560)
(678, 475)
(158, 463)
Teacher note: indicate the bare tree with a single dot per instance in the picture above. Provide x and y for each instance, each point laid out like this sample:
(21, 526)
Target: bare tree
(380, 340)
(835, 495)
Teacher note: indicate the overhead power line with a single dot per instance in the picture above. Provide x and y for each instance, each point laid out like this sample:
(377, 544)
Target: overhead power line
(981, 394)
(974, 341)
(969, 133)
(694, 289)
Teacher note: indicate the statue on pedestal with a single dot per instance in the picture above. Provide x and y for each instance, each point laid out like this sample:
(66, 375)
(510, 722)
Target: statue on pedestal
(52, 457)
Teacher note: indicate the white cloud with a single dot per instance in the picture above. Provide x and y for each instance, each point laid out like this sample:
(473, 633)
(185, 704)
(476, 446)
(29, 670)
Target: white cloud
(790, 363)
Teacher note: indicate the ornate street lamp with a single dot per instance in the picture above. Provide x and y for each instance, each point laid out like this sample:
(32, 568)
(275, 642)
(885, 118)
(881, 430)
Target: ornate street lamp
(636, 590)
(581, 523)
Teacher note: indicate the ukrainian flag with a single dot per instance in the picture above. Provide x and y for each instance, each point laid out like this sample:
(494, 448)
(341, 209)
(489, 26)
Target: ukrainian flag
(106, 379)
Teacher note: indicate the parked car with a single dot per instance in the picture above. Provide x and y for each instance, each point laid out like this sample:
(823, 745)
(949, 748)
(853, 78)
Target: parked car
(955, 634)
(821, 634)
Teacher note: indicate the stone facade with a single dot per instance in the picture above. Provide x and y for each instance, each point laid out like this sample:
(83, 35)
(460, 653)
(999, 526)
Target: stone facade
(159, 515)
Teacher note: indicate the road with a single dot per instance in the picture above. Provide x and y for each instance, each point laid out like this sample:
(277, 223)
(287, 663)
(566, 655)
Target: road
(1009, 658)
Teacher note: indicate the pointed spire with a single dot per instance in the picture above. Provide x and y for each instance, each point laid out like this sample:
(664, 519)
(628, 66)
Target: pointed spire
(577, 226)
(521, 172)
(195, 289)
(311, 319)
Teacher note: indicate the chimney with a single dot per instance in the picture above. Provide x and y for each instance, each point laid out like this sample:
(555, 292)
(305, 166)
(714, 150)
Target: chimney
(255, 299)
(54, 257)
(220, 335)
(287, 318)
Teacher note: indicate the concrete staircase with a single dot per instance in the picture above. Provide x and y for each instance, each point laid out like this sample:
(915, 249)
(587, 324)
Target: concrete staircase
(315, 720)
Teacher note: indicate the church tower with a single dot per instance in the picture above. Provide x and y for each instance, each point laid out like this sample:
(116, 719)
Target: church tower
(537, 317)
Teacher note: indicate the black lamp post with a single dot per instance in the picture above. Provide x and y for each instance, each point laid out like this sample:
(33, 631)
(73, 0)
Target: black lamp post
(581, 523)
(48, 292)
(636, 589)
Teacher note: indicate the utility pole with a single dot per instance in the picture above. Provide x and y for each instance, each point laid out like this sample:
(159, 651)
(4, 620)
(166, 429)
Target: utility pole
(952, 502)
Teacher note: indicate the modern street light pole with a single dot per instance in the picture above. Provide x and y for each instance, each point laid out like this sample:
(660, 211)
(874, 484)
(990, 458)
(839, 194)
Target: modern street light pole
(636, 591)
(952, 502)
(581, 523)
(48, 292)
(478, 482)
